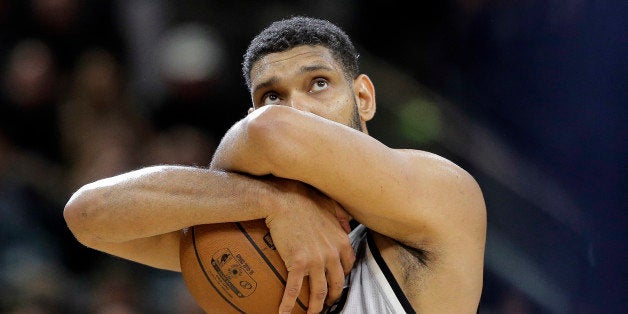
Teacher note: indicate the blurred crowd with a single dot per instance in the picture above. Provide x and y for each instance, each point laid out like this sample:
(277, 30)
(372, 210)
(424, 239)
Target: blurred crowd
(94, 88)
(67, 117)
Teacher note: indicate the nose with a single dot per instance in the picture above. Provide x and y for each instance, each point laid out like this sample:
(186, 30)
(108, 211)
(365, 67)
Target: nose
(300, 102)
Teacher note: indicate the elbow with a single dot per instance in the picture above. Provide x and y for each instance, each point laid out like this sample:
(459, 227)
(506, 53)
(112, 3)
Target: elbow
(265, 125)
(248, 146)
(269, 134)
(78, 214)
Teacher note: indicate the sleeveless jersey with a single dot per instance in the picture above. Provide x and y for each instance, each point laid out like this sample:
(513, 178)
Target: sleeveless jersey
(371, 287)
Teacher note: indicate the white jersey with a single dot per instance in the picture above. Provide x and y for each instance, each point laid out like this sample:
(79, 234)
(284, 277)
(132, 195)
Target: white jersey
(370, 287)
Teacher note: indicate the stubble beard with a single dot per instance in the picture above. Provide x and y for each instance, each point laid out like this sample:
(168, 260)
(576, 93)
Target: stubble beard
(356, 123)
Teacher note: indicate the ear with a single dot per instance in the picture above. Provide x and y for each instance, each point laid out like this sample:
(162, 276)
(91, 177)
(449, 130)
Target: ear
(365, 96)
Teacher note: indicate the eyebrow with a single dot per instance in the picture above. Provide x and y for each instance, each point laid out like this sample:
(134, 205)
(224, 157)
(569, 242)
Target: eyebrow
(304, 69)
(269, 82)
(316, 67)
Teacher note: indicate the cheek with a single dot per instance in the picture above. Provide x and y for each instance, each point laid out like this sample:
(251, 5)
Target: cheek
(338, 108)
(340, 111)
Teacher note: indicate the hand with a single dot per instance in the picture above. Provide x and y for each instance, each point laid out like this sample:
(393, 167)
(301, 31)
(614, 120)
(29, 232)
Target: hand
(310, 232)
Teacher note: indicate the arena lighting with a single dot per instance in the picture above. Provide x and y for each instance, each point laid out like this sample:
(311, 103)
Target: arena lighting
(190, 52)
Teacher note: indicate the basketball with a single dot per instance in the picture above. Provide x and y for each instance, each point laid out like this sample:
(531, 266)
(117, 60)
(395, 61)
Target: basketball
(235, 268)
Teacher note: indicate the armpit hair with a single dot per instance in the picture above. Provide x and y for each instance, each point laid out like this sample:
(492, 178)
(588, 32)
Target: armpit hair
(413, 272)
(421, 255)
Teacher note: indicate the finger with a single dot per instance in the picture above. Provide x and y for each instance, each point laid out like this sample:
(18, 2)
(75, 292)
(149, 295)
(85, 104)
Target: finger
(345, 226)
(291, 292)
(335, 281)
(347, 258)
(318, 291)
(343, 218)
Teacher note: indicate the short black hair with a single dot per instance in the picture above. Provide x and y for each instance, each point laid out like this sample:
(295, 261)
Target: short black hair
(296, 31)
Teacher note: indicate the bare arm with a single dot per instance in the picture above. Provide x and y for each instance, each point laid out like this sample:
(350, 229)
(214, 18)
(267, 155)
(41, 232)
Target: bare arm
(139, 215)
(381, 187)
(416, 197)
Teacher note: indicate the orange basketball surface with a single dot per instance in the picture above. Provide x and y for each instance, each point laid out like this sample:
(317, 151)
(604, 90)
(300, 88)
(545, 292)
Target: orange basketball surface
(235, 268)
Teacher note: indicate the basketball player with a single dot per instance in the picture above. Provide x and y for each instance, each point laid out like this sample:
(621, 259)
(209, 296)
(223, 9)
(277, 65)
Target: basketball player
(303, 160)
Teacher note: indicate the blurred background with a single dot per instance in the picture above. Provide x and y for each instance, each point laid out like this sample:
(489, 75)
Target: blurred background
(528, 96)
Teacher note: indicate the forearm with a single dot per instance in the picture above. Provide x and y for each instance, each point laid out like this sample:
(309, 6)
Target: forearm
(162, 199)
(362, 174)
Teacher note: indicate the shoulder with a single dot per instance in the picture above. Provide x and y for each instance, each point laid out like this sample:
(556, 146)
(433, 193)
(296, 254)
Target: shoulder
(439, 190)
(438, 245)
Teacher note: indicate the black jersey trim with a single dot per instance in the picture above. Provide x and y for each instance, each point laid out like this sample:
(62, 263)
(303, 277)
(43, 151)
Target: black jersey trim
(388, 274)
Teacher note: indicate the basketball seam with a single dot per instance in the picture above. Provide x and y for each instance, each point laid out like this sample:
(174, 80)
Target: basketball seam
(200, 262)
(268, 262)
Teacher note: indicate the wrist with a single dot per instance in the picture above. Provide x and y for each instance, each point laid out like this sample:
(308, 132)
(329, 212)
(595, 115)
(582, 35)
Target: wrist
(271, 200)
(262, 198)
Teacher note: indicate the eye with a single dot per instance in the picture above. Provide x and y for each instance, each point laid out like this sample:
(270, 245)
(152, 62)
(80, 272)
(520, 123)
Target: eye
(270, 99)
(319, 85)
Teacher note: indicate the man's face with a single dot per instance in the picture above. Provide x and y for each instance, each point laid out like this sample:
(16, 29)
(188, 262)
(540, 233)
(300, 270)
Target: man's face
(306, 78)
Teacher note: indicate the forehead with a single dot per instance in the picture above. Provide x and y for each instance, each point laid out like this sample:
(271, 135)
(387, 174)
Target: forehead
(292, 61)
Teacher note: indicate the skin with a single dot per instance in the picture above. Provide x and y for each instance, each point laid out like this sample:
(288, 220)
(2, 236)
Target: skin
(295, 162)
(298, 130)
